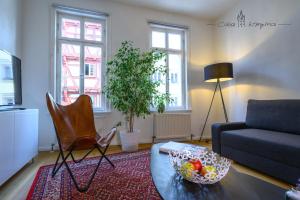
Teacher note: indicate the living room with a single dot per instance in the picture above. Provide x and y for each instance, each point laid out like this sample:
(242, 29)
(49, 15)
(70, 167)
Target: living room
(222, 78)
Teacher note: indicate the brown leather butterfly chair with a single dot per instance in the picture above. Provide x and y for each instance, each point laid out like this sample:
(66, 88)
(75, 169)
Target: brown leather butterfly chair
(75, 130)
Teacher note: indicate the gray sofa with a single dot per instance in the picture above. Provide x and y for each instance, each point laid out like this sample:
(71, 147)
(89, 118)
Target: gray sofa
(268, 141)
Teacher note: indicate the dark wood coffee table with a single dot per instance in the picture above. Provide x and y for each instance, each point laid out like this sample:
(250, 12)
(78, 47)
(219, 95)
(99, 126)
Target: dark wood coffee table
(235, 186)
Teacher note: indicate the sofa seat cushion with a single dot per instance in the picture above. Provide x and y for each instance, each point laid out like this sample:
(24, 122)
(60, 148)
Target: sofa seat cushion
(278, 146)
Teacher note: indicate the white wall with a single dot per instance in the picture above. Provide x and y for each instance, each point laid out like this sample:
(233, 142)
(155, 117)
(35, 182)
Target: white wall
(266, 62)
(126, 23)
(10, 23)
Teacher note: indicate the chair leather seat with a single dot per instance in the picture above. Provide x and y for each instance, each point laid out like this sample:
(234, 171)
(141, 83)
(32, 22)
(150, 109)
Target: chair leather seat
(81, 143)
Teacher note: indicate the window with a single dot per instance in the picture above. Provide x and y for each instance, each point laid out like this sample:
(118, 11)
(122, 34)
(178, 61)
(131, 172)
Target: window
(173, 78)
(8, 74)
(9, 100)
(173, 42)
(174, 102)
(89, 70)
(80, 54)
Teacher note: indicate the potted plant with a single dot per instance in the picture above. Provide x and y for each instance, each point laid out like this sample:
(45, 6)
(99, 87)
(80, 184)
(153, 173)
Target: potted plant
(130, 87)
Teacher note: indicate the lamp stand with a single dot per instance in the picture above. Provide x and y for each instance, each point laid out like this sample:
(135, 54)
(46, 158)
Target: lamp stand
(218, 85)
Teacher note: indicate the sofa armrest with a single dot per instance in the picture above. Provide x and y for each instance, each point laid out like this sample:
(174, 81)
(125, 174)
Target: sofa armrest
(218, 128)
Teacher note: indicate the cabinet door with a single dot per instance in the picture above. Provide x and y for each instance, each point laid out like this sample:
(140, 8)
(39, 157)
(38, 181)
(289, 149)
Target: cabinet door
(6, 145)
(26, 137)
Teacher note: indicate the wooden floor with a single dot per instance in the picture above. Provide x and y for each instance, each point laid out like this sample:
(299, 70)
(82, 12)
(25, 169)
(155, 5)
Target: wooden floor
(17, 187)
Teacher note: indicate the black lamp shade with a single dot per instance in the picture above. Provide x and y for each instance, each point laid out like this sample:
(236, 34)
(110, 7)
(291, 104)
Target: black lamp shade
(218, 71)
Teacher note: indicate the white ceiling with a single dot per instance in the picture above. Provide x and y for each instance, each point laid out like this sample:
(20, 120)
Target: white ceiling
(208, 9)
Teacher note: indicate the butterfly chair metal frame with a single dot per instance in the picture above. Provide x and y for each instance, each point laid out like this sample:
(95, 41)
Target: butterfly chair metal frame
(101, 145)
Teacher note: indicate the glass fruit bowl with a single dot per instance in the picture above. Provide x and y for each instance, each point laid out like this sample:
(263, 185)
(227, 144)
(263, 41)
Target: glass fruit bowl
(202, 166)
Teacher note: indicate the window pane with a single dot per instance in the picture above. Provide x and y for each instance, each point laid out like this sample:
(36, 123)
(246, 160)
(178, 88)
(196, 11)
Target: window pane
(175, 79)
(70, 73)
(174, 41)
(161, 77)
(93, 31)
(158, 39)
(92, 72)
(70, 28)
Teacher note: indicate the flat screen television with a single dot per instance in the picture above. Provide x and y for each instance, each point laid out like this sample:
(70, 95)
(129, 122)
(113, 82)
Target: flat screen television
(10, 80)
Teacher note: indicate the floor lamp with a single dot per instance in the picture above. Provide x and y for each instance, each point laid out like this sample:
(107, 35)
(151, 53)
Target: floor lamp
(217, 73)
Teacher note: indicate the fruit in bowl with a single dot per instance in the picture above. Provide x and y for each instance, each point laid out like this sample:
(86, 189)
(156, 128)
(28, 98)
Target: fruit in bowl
(205, 167)
(186, 170)
(196, 163)
(189, 167)
(211, 170)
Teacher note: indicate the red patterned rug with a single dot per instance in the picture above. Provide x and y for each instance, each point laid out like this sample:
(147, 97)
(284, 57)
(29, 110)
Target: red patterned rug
(131, 179)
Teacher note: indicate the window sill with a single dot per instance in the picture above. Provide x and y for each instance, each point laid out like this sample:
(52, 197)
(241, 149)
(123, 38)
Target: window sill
(99, 114)
(173, 111)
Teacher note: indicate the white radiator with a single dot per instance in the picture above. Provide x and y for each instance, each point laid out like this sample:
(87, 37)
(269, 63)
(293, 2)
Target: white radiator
(172, 125)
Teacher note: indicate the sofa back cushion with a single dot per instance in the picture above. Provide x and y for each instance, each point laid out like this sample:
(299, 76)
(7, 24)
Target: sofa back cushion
(277, 115)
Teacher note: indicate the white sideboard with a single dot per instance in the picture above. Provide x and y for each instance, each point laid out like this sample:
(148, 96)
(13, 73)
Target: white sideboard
(18, 140)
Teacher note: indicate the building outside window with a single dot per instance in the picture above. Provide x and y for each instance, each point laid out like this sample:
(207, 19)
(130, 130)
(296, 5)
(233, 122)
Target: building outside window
(173, 78)
(80, 53)
(89, 70)
(8, 73)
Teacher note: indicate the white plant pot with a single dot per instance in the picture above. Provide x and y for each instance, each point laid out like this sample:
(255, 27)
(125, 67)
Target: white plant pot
(129, 141)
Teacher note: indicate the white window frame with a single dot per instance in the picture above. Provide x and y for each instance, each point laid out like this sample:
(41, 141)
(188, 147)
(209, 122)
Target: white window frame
(82, 16)
(160, 27)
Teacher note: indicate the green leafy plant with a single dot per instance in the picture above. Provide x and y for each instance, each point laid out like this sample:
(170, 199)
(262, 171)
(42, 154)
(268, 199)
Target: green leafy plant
(161, 101)
(130, 87)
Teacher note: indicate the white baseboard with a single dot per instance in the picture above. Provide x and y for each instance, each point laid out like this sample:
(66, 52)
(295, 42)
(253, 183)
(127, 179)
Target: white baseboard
(45, 148)
(144, 141)
(48, 148)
